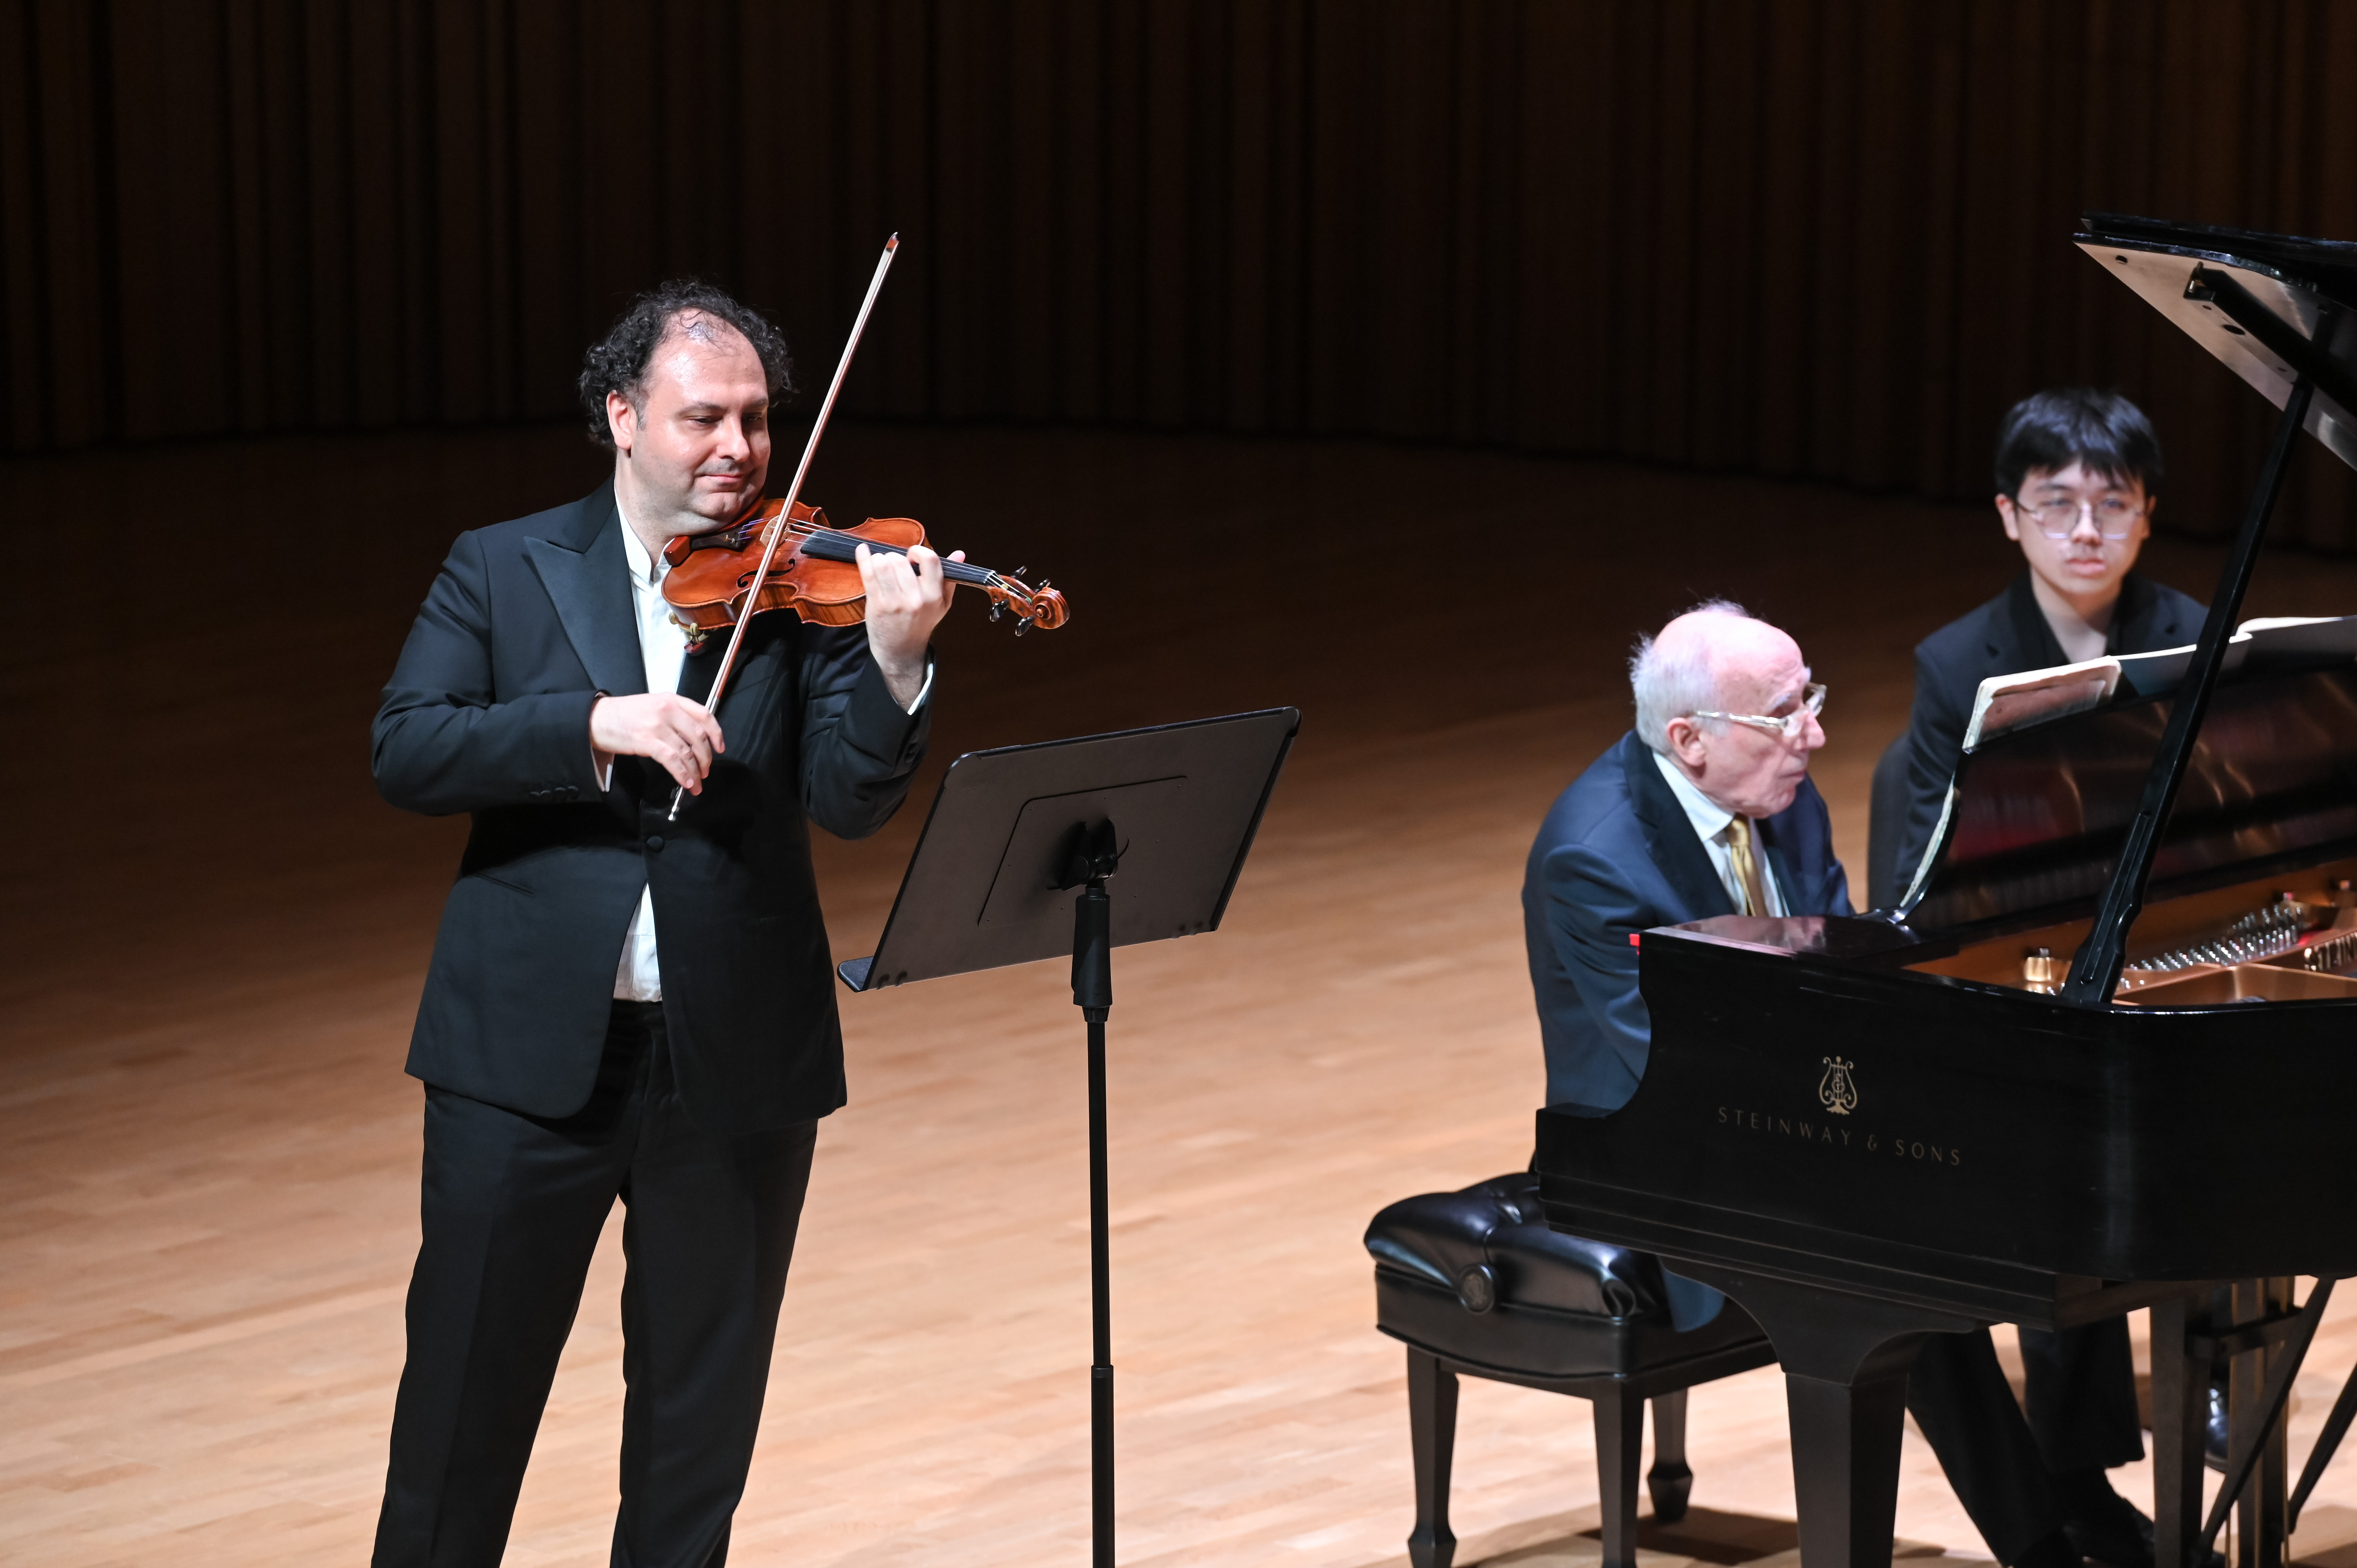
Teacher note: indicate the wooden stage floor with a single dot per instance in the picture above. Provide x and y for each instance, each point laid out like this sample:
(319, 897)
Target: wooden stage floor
(215, 936)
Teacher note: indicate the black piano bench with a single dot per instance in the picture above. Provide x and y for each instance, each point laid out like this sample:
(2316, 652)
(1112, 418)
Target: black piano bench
(1474, 1283)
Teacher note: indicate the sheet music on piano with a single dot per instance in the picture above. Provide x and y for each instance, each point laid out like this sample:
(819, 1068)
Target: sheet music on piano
(2007, 704)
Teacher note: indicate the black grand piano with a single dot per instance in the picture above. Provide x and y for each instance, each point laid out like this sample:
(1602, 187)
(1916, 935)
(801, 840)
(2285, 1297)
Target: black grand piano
(2101, 1056)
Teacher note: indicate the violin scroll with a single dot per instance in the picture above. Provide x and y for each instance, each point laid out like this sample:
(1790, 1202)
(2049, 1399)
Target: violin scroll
(1042, 607)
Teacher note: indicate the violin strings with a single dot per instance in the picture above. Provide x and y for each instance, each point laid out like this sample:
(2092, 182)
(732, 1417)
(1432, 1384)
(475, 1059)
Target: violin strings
(957, 571)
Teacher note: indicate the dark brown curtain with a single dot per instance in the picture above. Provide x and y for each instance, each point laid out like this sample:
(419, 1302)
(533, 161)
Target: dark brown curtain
(1819, 238)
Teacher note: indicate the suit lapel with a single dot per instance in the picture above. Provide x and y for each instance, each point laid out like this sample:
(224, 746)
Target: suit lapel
(2144, 623)
(697, 671)
(2019, 638)
(1670, 838)
(1798, 897)
(2132, 616)
(1780, 867)
(586, 575)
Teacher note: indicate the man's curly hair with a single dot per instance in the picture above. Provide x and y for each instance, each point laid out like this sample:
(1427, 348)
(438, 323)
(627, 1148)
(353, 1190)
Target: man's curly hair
(618, 362)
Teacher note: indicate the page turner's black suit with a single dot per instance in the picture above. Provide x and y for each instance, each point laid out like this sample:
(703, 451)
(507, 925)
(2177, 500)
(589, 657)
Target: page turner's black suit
(2080, 1383)
(546, 1099)
(2007, 636)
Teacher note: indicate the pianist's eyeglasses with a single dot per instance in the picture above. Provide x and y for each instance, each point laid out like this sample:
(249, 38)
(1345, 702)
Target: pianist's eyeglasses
(2115, 518)
(1813, 702)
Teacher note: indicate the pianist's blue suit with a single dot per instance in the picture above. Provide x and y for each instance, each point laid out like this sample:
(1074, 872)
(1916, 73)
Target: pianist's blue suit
(1617, 855)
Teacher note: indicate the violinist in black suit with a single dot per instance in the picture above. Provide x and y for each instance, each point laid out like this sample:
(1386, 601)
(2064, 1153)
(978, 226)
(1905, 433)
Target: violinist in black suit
(2078, 475)
(621, 1005)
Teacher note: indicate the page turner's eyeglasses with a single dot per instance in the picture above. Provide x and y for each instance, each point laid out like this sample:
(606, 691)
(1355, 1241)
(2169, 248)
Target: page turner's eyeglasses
(2115, 518)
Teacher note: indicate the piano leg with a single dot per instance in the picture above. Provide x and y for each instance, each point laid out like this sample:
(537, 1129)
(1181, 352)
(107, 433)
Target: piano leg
(2180, 1406)
(1845, 1360)
(1845, 1441)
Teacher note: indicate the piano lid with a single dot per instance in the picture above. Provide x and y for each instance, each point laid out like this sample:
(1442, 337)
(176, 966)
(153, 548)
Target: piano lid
(2043, 796)
(2268, 305)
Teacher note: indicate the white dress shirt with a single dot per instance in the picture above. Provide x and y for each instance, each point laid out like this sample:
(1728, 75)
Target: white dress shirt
(1710, 823)
(662, 645)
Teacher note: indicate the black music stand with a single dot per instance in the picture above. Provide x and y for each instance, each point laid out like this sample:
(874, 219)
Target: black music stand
(1013, 834)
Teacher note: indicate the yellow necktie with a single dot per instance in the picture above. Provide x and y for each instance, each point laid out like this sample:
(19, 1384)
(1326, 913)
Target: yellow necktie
(1747, 865)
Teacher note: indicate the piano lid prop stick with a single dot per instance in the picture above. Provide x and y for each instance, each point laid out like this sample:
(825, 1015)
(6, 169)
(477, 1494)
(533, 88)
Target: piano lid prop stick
(776, 530)
(2096, 968)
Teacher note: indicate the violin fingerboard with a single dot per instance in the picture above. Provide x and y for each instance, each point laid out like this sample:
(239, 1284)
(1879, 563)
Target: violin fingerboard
(830, 545)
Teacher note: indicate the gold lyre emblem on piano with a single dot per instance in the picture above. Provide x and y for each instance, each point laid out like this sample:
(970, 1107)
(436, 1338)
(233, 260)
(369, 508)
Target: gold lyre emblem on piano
(1837, 1092)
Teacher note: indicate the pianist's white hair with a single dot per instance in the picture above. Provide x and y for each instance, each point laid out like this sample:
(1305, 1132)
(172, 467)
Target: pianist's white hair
(1672, 683)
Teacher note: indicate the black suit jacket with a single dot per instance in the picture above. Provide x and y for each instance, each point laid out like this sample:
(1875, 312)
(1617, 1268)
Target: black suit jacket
(2005, 637)
(487, 713)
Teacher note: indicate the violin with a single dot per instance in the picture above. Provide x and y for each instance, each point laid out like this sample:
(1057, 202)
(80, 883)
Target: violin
(813, 571)
(802, 564)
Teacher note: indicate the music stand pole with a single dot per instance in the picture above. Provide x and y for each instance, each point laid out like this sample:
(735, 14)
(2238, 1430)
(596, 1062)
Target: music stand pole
(1092, 994)
(1021, 839)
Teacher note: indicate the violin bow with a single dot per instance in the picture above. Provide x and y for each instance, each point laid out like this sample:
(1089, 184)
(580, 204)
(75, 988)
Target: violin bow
(776, 530)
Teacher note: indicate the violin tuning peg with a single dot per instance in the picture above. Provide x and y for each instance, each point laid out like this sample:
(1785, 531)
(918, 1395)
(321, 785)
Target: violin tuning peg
(995, 607)
(1022, 625)
(1019, 571)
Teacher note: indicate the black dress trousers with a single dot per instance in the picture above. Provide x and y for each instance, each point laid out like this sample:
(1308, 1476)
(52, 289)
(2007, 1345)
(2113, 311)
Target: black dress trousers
(2080, 1388)
(1958, 1395)
(512, 1207)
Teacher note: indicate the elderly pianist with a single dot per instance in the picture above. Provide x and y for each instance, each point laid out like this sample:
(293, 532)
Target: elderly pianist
(1705, 807)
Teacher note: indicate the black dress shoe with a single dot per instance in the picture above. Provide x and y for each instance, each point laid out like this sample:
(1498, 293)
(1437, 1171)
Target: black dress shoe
(2108, 1528)
(2053, 1550)
(2101, 1523)
(2104, 1526)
